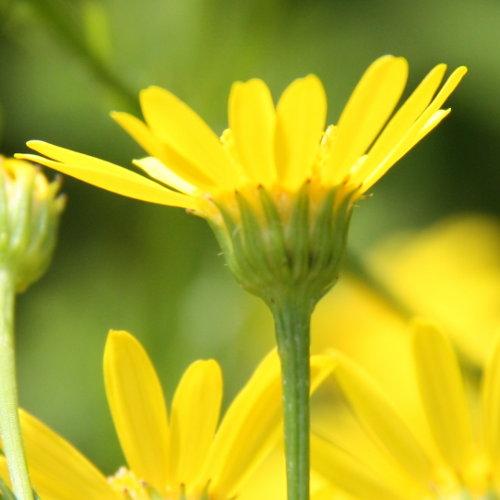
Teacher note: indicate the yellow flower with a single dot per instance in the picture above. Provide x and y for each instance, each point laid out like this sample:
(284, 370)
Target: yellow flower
(185, 455)
(454, 455)
(279, 148)
(277, 188)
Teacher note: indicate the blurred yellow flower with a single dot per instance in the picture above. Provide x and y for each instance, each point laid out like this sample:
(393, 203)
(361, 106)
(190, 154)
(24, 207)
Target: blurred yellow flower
(449, 272)
(457, 455)
(186, 455)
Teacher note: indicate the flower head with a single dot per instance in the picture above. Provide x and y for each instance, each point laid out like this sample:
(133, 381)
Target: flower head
(184, 455)
(30, 208)
(448, 449)
(279, 148)
(277, 187)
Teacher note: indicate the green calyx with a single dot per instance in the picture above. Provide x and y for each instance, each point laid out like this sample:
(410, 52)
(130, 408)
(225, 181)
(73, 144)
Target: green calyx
(30, 209)
(276, 243)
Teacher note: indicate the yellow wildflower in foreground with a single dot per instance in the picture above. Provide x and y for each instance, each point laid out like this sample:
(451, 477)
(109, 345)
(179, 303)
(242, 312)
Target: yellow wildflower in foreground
(455, 456)
(185, 455)
(276, 172)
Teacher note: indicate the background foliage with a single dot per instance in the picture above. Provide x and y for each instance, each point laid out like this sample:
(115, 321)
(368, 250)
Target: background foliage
(156, 271)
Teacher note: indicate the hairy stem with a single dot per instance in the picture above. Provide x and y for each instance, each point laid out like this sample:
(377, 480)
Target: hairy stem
(292, 317)
(10, 428)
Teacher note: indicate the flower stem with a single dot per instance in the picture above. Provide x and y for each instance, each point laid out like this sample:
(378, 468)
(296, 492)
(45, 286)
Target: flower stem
(10, 429)
(292, 317)
(51, 12)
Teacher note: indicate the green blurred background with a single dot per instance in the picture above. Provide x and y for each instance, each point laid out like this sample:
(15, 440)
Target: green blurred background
(156, 271)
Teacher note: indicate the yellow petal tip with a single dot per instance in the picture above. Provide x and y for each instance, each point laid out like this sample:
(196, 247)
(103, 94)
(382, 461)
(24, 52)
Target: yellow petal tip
(117, 335)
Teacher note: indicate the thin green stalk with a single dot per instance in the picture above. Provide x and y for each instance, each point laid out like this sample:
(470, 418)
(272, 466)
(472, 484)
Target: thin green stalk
(10, 429)
(69, 33)
(292, 318)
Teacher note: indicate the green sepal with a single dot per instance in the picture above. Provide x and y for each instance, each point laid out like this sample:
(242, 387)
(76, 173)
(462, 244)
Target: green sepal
(230, 241)
(5, 491)
(255, 251)
(274, 236)
(274, 243)
(297, 234)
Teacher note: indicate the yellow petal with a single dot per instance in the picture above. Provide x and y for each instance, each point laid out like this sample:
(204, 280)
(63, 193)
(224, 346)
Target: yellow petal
(107, 176)
(167, 156)
(181, 129)
(252, 123)
(442, 392)
(58, 470)
(381, 420)
(137, 406)
(429, 119)
(449, 86)
(404, 118)
(158, 171)
(301, 114)
(347, 473)
(367, 110)
(251, 425)
(139, 131)
(491, 406)
(249, 429)
(193, 420)
(412, 138)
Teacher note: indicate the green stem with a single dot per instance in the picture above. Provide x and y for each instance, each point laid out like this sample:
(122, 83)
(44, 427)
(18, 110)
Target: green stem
(292, 318)
(10, 428)
(68, 32)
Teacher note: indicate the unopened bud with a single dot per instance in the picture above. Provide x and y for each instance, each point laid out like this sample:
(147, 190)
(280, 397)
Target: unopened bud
(30, 208)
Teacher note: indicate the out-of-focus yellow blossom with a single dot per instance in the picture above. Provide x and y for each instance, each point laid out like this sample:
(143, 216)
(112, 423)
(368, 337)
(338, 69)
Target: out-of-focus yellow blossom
(452, 271)
(184, 455)
(454, 455)
(449, 272)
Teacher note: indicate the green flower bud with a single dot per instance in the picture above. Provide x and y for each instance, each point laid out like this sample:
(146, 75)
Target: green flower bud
(30, 208)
